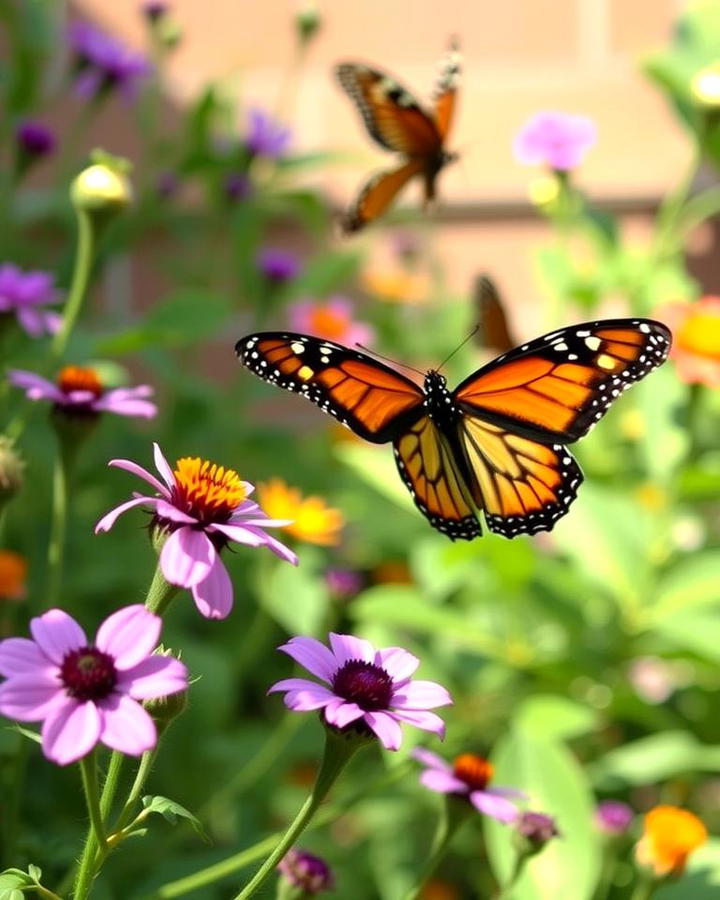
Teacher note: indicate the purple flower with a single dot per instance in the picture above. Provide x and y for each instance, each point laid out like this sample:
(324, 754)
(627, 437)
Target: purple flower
(306, 871)
(265, 136)
(278, 265)
(367, 687)
(332, 320)
(166, 184)
(84, 693)
(613, 816)
(103, 63)
(343, 582)
(154, 10)
(469, 776)
(237, 186)
(555, 138)
(202, 508)
(536, 829)
(21, 293)
(78, 391)
(34, 139)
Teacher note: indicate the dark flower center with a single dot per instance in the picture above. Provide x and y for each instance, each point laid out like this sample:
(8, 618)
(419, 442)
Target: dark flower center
(474, 770)
(363, 683)
(88, 674)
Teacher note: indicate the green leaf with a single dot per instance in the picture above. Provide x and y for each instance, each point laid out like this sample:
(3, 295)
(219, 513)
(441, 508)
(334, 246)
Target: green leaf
(35, 872)
(12, 878)
(327, 273)
(555, 782)
(659, 400)
(695, 630)
(26, 732)
(377, 467)
(295, 597)
(172, 811)
(655, 758)
(11, 894)
(694, 581)
(701, 879)
(555, 717)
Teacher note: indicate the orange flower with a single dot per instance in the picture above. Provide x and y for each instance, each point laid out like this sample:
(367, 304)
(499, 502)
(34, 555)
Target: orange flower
(313, 520)
(696, 344)
(395, 285)
(670, 835)
(439, 890)
(13, 572)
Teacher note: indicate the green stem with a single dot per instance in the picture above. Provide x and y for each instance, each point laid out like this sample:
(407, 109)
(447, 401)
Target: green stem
(160, 593)
(455, 812)
(645, 889)
(338, 751)
(58, 524)
(670, 212)
(14, 790)
(78, 286)
(517, 871)
(96, 833)
(136, 790)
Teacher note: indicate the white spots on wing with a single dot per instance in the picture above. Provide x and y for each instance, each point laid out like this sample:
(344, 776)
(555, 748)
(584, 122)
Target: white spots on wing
(592, 342)
(561, 346)
(645, 328)
(297, 347)
(572, 356)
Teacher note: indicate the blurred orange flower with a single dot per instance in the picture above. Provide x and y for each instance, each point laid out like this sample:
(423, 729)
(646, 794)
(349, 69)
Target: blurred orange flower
(670, 835)
(440, 890)
(313, 520)
(393, 571)
(396, 285)
(13, 573)
(696, 340)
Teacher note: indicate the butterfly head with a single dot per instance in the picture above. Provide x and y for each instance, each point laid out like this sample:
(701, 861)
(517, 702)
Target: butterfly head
(447, 157)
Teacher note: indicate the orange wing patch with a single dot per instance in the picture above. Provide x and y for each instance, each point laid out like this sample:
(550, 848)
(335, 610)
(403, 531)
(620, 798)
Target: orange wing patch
(437, 486)
(378, 194)
(446, 89)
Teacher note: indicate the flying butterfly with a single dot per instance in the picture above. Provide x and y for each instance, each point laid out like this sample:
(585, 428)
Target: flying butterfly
(395, 120)
(496, 443)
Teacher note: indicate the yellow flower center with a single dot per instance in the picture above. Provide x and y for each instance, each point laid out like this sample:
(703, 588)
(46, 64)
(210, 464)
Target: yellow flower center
(13, 572)
(700, 334)
(328, 323)
(670, 836)
(474, 770)
(312, 519)
(207, 491)
(76, 378)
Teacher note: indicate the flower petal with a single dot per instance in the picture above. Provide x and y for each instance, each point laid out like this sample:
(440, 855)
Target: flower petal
(129, 466)
(109, 519)
(307, 699)
(292, 684)
(31, 696)
(239, 534)
(71, 732)
(19, 655)
(37, 387)
(214, 595)
(430, 759)
(169, 511)
(342, 714)
(312, 655)
(155, 676)
(161, 464)
(386, 728)
(503, 791)
(443, 782)
(129, 635)
(125, 402)
(56, 633)
(398, 663)
(126, 726)
(277, 547)
(187, 557)
(496, 807)
(421, 695)
(428, 721)
(347, 646)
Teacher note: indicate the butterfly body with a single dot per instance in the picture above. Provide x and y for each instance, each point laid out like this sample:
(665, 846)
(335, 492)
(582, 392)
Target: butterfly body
(497, 442)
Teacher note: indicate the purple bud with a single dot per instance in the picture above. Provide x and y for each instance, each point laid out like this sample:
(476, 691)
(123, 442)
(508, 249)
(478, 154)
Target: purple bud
(154, 10)
(237, 186)
(343, 582)
(613, 816)
(166, 184)
(307, 871)
(278, 265)
(534, 830)
(34, 138)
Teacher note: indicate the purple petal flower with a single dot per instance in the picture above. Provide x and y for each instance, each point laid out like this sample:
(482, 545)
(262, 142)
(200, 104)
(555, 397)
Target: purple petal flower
(613, 816)
(363, 693)
(555, 139)
(78, 392)
(536, 829)
(331, 320)
(34, 139)
(265, 136)
(167, 184)
(23, 293)
(201, 508)
(278, 265)
(88, 693)
(306, 871)
(104, 63)
(343, 582)
(469, 777)
(237, 186)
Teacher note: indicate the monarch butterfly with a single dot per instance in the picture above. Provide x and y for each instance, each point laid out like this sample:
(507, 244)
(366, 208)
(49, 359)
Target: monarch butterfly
(396, 121)
(497, 442)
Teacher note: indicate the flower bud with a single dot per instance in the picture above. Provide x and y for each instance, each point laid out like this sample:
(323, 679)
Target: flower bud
(103, 187)
(307, 22)
(165, 709)
(11, 471)
(304, 875)
(533, 830)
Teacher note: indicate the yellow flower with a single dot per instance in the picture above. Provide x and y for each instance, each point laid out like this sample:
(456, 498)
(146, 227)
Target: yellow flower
(696, 348)
(670, 835)
(13, 572)
(313, 520)
(395, 285)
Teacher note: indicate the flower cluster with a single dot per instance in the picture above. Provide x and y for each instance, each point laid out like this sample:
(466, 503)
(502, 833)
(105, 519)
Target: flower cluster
(22, 294)
(103, 64)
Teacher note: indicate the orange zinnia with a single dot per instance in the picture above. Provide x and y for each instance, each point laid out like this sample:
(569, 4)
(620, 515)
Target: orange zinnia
(696, 344)
(13, 573)
(669, 837)
(313, 520)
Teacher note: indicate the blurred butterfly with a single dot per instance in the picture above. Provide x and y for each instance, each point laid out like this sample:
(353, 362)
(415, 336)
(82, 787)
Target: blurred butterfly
(494, 331)
(396, 121)
(497, 442)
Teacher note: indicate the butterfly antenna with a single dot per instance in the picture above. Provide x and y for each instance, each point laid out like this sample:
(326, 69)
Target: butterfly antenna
(459, 347)
(388, 359)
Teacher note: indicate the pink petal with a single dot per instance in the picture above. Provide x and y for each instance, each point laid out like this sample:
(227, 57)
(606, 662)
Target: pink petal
(386, 728)
(502, 791)
(421, 695)
(155, 676)
(277, 547)
(125, 406)
(443, 782)
(292, 684)
(497, 807)
(342, 714)
(37, 388)
(109, 519)
(430, 759)
(31, 696)
(312, 655)
(239, 534)
(20, 655)
(129, 635)
(398, 663)
(169, 511)
(57, 633)
(129, 466)
(187, 557)
(126, 726)
(347, 646)
(71, 732)
(32, 320)
(314, 697)
(161, 464)
(426, 720)
(214, 595)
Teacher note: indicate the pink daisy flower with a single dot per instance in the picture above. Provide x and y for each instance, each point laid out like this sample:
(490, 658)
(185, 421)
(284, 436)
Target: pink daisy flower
(332, 321)
(469, 776)
(23, 293)
(88, 693)
(368, 688)
(202, 507)
(555, 139)
(79, 391)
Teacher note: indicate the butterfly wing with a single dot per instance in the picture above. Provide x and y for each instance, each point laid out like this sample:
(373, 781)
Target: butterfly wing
(373, 400)
(494, 331)
(379, 192)
(428, 466)
(392, 116)
(446, 89)
(555, 388)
